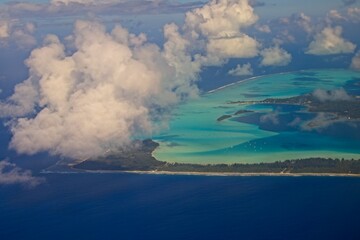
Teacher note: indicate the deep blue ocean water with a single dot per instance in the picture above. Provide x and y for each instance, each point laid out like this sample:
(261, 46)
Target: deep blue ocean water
(130, 206)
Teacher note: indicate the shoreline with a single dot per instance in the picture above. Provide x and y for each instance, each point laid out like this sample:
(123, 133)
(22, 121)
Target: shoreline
(226, 174)
(266, 75)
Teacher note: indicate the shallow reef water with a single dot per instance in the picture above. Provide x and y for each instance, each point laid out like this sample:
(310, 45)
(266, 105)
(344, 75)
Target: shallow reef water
(267, 132)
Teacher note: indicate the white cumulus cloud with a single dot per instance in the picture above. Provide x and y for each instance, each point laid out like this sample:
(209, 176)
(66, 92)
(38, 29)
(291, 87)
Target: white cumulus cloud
(222, 18)
(113, 87)
(217, 29)
(329, 41)
(263, 28)
(334, 95)
(236, 47)
(241, 70)
(98, 98)
(275, 56)
(14, 31)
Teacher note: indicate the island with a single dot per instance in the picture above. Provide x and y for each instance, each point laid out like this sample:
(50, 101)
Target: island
(346, 108)
(138, 156)
(140, 160)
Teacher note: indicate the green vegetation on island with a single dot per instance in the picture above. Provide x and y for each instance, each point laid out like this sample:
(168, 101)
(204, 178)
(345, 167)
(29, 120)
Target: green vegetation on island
(346, 108)
(223, 117)
(139, 158)
(309, 165)
(136, 157)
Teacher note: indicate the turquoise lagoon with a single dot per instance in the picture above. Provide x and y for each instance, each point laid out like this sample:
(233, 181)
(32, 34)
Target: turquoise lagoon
(269, 133)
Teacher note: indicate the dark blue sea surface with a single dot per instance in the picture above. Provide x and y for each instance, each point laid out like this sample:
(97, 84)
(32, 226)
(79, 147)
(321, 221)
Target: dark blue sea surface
(130, 206)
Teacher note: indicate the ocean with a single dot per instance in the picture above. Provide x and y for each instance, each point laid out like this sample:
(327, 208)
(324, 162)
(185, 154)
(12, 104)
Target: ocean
(127, 206)
(130, 206)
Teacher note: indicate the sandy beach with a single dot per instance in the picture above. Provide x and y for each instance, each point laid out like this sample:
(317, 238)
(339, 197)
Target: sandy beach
(229, 174)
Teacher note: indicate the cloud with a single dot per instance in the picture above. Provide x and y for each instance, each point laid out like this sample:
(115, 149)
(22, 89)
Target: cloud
(216, 28)
(18, 33)
(284, 37)
(296, 122)
(23, 36)
(355, 62)
(236, 47)
(304, 22)
(320, 122)
(21, 102)
(333, 95)
(84, 2)
(296, 21)
(241, 70)
(334, 15)
(11, 174)
(61, 8)
(296, 28)
(329, 41)
(176, 52)
(100, 97)
(272, 117)
(4, 29)
(263, 28)
(213, 28)
(275, 56)
(223, 18)
(354, 14)
(110, 88)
